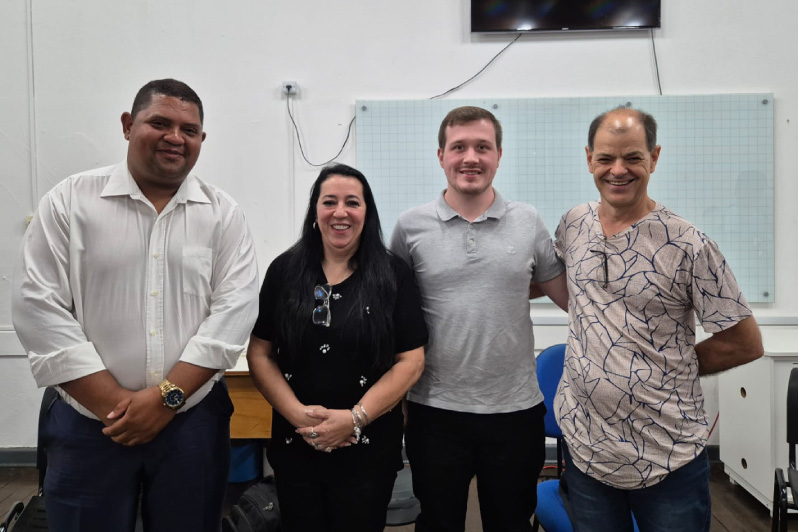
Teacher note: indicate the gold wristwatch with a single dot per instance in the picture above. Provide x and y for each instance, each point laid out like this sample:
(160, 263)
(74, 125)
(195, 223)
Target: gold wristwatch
(173, 396)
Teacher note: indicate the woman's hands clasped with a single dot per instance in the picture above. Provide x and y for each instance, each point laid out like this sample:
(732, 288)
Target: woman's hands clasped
(328, 429)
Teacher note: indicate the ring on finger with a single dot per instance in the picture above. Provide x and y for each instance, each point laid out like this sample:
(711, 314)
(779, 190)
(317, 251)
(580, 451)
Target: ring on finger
(313, 434)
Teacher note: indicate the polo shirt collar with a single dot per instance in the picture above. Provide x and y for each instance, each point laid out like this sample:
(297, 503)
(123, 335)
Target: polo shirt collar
(496, 210)
(121, 183)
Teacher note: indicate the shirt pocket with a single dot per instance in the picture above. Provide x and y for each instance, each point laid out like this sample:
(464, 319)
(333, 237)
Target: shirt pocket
(197, 271)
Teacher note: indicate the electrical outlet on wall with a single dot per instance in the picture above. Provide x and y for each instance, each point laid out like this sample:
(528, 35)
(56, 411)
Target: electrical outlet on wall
(290, 88)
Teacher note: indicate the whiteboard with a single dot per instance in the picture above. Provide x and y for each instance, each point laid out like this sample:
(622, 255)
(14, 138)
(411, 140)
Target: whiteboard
(716, 167)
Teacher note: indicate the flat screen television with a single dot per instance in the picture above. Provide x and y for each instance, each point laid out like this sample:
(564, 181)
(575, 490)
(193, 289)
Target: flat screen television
(520, 16)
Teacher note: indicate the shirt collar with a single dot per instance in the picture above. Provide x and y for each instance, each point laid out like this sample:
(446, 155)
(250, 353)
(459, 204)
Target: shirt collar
(121, 183)
(496, 210)
(191, 190)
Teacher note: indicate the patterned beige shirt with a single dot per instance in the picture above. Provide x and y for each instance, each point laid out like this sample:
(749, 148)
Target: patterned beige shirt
(630, 403)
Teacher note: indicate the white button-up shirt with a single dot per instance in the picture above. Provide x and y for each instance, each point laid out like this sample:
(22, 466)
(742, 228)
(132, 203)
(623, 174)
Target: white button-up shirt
(108, 283)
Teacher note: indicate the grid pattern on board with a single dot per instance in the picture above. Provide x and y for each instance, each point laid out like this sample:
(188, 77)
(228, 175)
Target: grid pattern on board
(716, 167)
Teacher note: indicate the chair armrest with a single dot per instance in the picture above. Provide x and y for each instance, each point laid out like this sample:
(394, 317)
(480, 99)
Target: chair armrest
(13, 513)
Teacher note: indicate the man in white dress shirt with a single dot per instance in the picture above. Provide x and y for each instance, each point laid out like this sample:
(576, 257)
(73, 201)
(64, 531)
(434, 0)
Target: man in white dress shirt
(138, 287)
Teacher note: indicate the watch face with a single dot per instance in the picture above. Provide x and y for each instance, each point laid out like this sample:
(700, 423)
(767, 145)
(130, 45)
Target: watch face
(174, 398)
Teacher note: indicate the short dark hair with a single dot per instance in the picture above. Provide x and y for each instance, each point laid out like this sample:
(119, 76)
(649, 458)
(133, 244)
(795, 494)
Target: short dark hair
(376, 287)
(463, 115)
(166, 87)
(648, 122)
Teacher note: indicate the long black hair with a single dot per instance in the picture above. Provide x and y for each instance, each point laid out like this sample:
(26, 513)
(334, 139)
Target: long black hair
(372, 262)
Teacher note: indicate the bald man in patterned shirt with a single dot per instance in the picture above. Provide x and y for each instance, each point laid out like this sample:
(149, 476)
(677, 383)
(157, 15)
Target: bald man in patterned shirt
(630, 403)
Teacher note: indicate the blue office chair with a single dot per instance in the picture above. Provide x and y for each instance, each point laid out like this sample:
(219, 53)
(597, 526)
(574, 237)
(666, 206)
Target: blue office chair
(550, 512)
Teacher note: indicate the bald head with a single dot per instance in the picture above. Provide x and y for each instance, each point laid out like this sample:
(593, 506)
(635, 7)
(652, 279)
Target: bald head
(622, 120)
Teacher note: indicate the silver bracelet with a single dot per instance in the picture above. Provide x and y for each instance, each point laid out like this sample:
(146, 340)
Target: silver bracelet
(365, 414)
(355, 421)
(359, 419)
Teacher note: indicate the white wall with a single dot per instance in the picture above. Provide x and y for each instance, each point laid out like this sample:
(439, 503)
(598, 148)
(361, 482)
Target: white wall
(70, 68)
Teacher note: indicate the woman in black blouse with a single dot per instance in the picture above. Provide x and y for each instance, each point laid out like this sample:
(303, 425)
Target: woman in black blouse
(338, 342)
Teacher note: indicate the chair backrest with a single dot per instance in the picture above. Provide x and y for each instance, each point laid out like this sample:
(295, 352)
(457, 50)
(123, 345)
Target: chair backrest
(550, 364)
(792, 414)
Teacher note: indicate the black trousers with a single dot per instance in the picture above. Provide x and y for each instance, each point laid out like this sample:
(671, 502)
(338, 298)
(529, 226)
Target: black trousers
(447, 449)
(353, 502)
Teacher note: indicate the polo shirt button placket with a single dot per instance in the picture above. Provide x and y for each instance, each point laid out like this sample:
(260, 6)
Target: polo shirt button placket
(471, 242)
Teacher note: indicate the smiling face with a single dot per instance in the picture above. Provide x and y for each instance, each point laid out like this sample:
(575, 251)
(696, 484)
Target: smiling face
(470, 157)
(340, 215)
(621, 163)
(164, 142)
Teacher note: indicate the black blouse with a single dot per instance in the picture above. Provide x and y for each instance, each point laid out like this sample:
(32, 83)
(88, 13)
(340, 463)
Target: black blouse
(331, 371)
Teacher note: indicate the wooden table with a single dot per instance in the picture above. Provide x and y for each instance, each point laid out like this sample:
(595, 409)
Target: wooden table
(253, 415)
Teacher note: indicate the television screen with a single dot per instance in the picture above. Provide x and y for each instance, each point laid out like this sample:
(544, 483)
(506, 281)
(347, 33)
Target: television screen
(563, 15)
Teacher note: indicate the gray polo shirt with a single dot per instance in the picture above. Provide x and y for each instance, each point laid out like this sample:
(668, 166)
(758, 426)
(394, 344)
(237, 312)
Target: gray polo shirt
(474, 281)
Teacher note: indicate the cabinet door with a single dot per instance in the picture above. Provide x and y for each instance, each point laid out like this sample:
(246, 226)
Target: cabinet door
(746, 423)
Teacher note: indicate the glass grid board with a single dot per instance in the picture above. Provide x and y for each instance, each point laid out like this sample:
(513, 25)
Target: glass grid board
(715, 170)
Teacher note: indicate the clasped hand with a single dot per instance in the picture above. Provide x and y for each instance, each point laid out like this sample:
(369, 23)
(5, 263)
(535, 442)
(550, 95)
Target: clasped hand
(139, 417)
(326, 429)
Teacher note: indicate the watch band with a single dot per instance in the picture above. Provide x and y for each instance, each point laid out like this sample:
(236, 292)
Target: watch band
(173, 396)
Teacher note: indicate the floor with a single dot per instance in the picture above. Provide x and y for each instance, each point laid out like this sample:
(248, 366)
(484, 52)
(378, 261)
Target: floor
(733, 509)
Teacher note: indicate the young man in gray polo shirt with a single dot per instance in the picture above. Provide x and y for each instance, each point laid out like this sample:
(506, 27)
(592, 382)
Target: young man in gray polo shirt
(477, 409)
